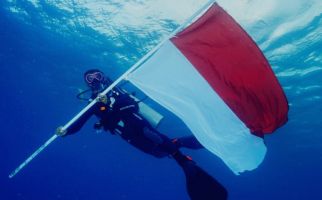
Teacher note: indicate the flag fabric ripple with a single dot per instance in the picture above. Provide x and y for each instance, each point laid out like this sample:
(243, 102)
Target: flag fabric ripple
(214, 77)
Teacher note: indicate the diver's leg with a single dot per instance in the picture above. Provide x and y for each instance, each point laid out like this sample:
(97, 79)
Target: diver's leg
(188, 142)
(152, 135)
(200, 184)
(163, 144)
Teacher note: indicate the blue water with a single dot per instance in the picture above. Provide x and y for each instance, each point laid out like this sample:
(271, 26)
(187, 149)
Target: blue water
(45, 46)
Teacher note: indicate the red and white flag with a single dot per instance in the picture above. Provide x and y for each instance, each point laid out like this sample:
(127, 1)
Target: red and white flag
(214, 77)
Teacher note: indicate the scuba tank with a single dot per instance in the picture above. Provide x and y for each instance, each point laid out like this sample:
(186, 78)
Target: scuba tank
(151, 115)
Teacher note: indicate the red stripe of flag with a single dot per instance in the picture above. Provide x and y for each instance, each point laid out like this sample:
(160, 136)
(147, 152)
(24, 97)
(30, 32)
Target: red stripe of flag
(236, 69)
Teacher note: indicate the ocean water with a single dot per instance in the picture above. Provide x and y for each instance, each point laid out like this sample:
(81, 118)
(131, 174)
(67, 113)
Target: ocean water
(45, 46)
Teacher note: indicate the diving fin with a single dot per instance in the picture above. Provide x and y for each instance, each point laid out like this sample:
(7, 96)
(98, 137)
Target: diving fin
(200, 185)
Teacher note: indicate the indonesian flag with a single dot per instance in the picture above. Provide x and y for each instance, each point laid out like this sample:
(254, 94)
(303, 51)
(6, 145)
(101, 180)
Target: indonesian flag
(214, 77)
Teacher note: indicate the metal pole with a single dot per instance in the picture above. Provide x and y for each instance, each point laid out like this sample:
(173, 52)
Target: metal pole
(22, 165)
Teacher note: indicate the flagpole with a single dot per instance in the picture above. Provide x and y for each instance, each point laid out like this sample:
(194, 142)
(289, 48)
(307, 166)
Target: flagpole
(121, 78)
(32, 156)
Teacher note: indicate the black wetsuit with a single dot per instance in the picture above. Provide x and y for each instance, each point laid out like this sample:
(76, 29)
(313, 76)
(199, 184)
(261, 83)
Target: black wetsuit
(121, 116)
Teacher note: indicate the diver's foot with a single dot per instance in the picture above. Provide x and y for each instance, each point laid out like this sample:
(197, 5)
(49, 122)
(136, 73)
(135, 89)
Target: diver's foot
(181, 158)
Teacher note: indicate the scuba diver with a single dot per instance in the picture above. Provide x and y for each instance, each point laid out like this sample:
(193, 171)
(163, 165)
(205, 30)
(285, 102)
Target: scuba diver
(119, 114)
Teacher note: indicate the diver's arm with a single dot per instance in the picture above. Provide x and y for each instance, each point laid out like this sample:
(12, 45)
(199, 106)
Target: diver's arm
(77, 125)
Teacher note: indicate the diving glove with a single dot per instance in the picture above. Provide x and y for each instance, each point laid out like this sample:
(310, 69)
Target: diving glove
(102, 98)
(60, 131)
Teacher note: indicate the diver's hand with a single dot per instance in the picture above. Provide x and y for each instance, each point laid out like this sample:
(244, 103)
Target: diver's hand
(60, 131)
(102, 98)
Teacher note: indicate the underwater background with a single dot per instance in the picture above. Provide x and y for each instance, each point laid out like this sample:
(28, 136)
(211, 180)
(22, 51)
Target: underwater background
(45, 46)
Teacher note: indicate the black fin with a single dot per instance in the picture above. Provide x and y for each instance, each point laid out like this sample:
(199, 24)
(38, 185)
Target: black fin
(200, 185)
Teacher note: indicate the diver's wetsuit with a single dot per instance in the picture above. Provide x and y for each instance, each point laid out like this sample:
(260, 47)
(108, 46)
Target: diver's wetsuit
(121, 116)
